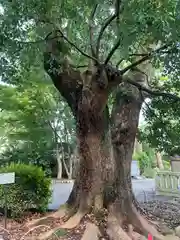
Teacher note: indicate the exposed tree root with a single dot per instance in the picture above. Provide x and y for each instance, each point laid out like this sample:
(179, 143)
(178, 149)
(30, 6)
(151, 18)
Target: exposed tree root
(48, 234)
(58, 214)
(141, 224)
(74, 220)
(114, 230)
(69, 214)
(32, 229)
(130, 231)
(91, 233)
(132, 219)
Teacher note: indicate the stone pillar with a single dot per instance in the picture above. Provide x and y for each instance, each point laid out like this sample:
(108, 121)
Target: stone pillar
(175, 163)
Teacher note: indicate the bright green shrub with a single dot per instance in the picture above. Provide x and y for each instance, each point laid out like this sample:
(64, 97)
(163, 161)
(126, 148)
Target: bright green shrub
(31, 189)
(145, 159)
(149, 172)
(167, 165)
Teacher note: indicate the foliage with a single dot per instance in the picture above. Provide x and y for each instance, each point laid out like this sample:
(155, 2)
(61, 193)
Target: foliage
(23, 22)
(149, 172)
(24, 25)
(29, 154)
(38, 121)
(31, 189)
(146, 158)
(143, 160)
(162, 128)
(167, 165)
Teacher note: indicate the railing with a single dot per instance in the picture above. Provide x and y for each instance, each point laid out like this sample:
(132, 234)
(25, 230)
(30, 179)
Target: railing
(168, 183)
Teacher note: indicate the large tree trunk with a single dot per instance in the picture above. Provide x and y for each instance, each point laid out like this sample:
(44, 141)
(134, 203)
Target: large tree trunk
(124, 208)
(125, 119)
(92, 170)
(87, 95)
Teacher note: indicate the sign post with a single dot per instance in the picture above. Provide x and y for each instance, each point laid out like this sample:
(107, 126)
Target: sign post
(6, 178)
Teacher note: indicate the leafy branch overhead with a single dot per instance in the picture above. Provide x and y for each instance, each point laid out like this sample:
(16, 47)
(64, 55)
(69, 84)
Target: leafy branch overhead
(114, 38)
(104, 58)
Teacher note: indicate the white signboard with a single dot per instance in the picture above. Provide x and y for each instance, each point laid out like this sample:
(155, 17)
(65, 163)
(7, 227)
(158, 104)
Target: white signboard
(7, 178)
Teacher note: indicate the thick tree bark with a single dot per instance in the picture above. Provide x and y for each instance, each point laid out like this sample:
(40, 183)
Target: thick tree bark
(92, 170)
(124, 208)
(125, 119)
(87, 95)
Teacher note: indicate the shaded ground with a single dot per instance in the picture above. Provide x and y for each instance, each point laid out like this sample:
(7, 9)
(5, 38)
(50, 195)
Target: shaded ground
(19, 231)
(167, 212)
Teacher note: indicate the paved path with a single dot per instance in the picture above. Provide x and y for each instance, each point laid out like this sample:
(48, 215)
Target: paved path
(143, 190)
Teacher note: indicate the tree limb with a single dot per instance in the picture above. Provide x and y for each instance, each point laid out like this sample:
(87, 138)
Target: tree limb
(31, 42)
(66, 79)
(143, 59)
(48, 38)
(116, 75)
(91, 30)
(117, 9)
(152, 92)
(115, 47)
(77, 48)
(106, 24)
(119, 62)
(138, 54)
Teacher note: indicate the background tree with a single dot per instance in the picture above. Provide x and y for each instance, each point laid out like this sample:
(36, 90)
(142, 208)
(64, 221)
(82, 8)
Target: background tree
(41, 128)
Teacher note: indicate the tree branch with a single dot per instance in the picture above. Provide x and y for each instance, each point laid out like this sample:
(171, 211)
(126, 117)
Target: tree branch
(143, 59)
(77, 48)
(106, 24)
(138, 54)
(91, 30)
(48, 38)
(116, 75)
(119, 62)
(31, 42)
(115, 47)
(117, 9)
(152, 92)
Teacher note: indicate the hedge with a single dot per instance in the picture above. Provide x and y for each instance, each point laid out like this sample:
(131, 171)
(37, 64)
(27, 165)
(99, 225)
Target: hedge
(30, 190)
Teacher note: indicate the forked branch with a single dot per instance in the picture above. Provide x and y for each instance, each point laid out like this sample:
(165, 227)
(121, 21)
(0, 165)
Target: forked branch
(144, 58)
(74, 45)
(152, 92)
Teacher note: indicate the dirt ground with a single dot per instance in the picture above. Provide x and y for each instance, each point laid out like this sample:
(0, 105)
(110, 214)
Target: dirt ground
(17, 230)
(167, 213)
